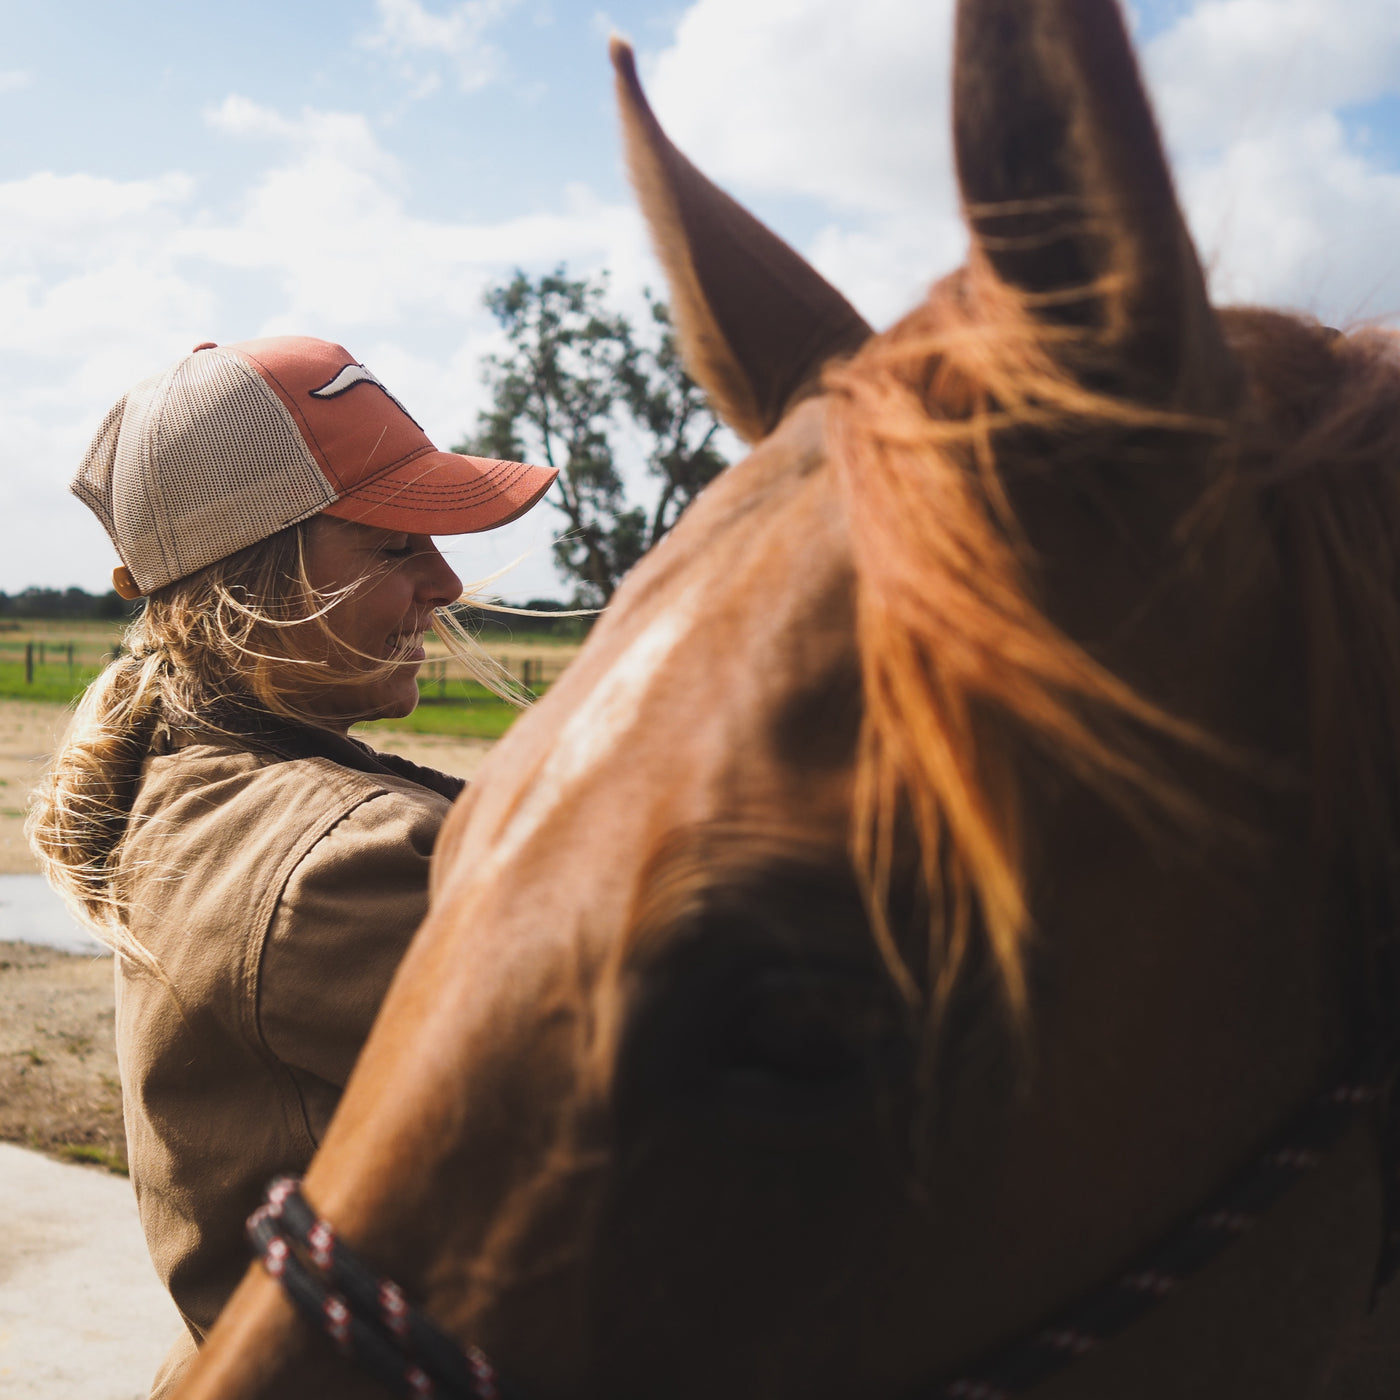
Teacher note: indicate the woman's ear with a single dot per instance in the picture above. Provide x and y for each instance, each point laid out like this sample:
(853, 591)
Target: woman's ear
(756, 322)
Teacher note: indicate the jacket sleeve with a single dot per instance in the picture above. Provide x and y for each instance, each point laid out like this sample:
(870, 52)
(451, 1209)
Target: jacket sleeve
(344, 921)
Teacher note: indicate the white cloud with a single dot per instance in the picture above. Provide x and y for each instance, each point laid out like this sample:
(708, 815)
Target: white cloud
(1299, 218)
(59, 216)
(1234, 69)
(886, 265)
(342, 138)
(842, 105)
(85, 265)
(105, 281)
(845, 103)
(14, 80)
(1287, 207)
(421, 39)
(847, 106)
(327, 221)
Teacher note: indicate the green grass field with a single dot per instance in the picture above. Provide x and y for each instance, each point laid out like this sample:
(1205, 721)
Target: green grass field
(51, 683)
(54, 679)
(464, 710)
(450, 705)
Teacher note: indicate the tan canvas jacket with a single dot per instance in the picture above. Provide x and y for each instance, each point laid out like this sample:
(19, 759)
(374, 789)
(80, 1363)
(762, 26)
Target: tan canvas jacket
(277, 883)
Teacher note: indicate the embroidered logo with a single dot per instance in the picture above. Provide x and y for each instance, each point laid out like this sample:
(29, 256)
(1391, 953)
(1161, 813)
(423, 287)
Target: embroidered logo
(352, 375)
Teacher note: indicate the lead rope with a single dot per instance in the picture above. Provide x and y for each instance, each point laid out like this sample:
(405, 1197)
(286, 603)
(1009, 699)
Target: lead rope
(369, 1319)
(364, 1314)
(1088, 1324)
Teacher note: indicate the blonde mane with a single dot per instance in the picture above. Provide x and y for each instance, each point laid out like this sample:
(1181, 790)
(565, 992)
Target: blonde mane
(960, 664)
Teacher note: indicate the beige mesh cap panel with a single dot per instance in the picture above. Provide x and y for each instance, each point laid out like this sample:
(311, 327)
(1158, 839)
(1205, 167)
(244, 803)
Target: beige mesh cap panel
(93, 483)
(196, 464)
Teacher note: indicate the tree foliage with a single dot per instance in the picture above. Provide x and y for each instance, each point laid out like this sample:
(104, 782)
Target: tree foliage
(69, 603)
(576, 382)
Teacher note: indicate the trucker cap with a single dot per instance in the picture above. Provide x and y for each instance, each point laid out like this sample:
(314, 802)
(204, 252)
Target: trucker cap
(237, 442)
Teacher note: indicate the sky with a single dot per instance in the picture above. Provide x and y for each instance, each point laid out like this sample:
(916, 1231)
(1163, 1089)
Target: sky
(179, 171)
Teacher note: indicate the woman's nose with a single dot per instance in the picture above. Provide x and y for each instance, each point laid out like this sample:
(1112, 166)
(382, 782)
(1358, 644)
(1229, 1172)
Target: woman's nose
(438, 584)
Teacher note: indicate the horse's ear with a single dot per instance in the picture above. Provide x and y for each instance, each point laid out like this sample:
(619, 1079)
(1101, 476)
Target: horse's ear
(1070, 200)
(756, 322)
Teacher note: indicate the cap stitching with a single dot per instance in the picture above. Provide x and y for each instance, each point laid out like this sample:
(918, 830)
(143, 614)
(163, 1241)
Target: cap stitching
(489, 484)
(381, 472)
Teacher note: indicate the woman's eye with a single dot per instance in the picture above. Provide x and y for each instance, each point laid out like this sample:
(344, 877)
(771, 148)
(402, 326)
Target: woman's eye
(398, 551)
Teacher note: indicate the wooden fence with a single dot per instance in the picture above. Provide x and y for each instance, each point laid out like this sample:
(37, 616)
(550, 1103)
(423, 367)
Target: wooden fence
(41, 654)
(536, 672)
(441, 677)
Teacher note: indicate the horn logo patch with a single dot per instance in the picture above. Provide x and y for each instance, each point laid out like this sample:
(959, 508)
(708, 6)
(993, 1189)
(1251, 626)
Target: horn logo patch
(351, 375)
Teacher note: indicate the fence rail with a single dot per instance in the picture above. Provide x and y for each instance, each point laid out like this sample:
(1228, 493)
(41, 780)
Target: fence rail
(36, 656)
(536, 672)
(440, 678)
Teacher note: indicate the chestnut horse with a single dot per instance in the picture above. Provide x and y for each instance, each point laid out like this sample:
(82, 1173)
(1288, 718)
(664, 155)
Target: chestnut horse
(967, 842)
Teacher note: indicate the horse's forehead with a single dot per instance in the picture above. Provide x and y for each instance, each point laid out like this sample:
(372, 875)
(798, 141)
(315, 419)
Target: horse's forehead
(695, 688)
(595, 734)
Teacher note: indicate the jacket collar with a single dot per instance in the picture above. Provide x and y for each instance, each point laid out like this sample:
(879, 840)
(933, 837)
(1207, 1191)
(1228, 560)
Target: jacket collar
(287, 740)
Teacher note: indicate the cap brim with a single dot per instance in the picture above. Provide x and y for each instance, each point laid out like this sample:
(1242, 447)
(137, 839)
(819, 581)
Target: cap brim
(445, 493)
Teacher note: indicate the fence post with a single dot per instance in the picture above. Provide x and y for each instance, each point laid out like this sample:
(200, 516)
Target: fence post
(29, 663)
(70, 661)
(43, 654)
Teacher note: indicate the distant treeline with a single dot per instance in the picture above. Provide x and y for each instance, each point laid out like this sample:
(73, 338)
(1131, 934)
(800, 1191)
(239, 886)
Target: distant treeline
(71, 604)
(75, 604)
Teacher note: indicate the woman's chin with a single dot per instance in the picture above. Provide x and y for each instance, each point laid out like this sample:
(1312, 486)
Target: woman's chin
(383, 712)
(398, 704)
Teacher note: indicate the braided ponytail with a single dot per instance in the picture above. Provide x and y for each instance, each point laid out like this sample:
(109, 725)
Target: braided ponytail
(230, 633)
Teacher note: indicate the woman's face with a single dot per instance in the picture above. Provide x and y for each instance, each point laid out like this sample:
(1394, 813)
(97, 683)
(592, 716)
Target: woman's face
(397, 581)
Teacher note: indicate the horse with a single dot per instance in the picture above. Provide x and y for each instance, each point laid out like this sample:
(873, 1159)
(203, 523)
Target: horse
(968, 842)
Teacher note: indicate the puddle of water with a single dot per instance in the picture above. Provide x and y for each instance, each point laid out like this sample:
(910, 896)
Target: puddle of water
(30, 912)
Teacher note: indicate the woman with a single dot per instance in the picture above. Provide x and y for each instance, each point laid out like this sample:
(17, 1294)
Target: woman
(258, 872)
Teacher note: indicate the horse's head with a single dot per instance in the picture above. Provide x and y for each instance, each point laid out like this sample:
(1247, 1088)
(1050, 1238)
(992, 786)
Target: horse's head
(964, 842)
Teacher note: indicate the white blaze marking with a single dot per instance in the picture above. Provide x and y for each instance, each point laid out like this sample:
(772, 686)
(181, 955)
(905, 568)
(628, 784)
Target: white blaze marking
(593, 730)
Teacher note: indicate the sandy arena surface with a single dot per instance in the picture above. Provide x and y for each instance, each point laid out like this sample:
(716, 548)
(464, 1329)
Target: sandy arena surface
(58, 1066)
(28, 734)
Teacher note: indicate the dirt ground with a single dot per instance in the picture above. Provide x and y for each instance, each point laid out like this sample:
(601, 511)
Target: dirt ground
(58, 1067)
(58, 1071)
(28, 734)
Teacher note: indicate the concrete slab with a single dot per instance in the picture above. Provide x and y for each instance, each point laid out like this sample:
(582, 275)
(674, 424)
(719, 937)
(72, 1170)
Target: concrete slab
(82, 1315)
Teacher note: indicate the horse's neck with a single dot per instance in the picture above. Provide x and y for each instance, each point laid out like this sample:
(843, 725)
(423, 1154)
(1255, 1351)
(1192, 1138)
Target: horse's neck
(1275, 1316)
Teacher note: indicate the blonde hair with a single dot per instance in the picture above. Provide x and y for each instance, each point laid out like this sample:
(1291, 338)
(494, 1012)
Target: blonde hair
(243, 640)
